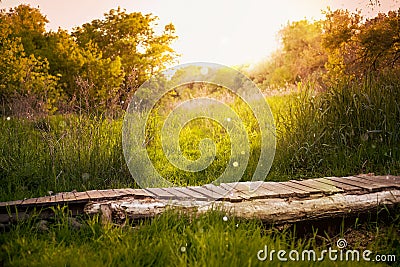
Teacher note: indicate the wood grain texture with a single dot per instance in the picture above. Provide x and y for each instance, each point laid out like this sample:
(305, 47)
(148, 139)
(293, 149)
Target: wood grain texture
(271, 201)
(272, 210)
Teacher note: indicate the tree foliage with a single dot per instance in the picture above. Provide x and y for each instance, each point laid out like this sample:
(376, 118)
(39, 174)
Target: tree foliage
(301, 55)
(132, 39)
(343, 45)
(96, 67)
(24, 76)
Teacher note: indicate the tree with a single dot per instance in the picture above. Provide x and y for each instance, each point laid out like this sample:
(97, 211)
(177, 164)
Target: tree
(23, 77)
(99, 64)
(130, 37)
(301, 42)
(300, 57)
(340, 42)
(28, 24)
(356, 46)
(379, 38)
(342, 46)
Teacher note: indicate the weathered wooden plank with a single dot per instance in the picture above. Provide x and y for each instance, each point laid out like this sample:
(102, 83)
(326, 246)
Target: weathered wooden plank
(226, 186)
(225, 193)
(327, 189)
(141, 193)
(177, 194)
(239, 187)
(134, 192)
(11, 203)
(310, 190)
(343, 186)
(234, 192)
(94, 194)
(42, 200)
(392, 181)
(376, 183)
(109, 193)
(119, 193)
(29, 201)
(346, 180)
(246, 187)
(372, 186)
(253, 190)
(206, 192)
(53, 199)
(261, 193)
(59, 197)
(216, 189)
(305, 187)
(68, 196)
(45, 200)
(81, 196)
(125, 191)
(282, 190)
(193, 194)
(279, 191)
(160, 193)
(296, 191)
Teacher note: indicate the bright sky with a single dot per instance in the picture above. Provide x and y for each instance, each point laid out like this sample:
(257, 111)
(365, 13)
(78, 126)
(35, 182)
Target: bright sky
(228, 32)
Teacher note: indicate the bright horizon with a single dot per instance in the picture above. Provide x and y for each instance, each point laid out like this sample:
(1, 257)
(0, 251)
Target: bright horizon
(225, 32)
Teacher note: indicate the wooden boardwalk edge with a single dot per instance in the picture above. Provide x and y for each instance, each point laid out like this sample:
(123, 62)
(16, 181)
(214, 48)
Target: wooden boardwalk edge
(275, 202)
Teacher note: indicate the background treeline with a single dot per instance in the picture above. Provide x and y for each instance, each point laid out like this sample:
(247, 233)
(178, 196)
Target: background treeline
(343, 45)
(97, 66)
(93, 68)
(344, 119)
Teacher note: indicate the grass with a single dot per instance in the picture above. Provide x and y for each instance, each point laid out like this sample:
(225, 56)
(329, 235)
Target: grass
(348, 129)
(60, 153)
(174, 239)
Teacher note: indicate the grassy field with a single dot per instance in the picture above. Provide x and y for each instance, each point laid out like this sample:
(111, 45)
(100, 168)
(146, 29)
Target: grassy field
(179, 240)
(348, 129)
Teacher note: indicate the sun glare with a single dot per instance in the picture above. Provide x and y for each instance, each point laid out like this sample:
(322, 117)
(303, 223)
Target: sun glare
(225, 32)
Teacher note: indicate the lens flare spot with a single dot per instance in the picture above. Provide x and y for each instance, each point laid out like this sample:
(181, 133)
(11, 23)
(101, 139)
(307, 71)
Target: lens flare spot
(204, 71)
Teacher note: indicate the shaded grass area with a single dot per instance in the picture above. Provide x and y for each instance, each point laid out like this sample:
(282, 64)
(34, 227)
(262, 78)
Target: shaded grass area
(173, 239)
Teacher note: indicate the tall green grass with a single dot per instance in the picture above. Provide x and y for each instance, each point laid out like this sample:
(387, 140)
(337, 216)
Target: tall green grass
(353, 127)
(60, 153)
(350, 128)
(174, 239)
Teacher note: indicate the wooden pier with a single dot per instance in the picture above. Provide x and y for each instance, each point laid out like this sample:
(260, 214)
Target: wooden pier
(272, 202)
